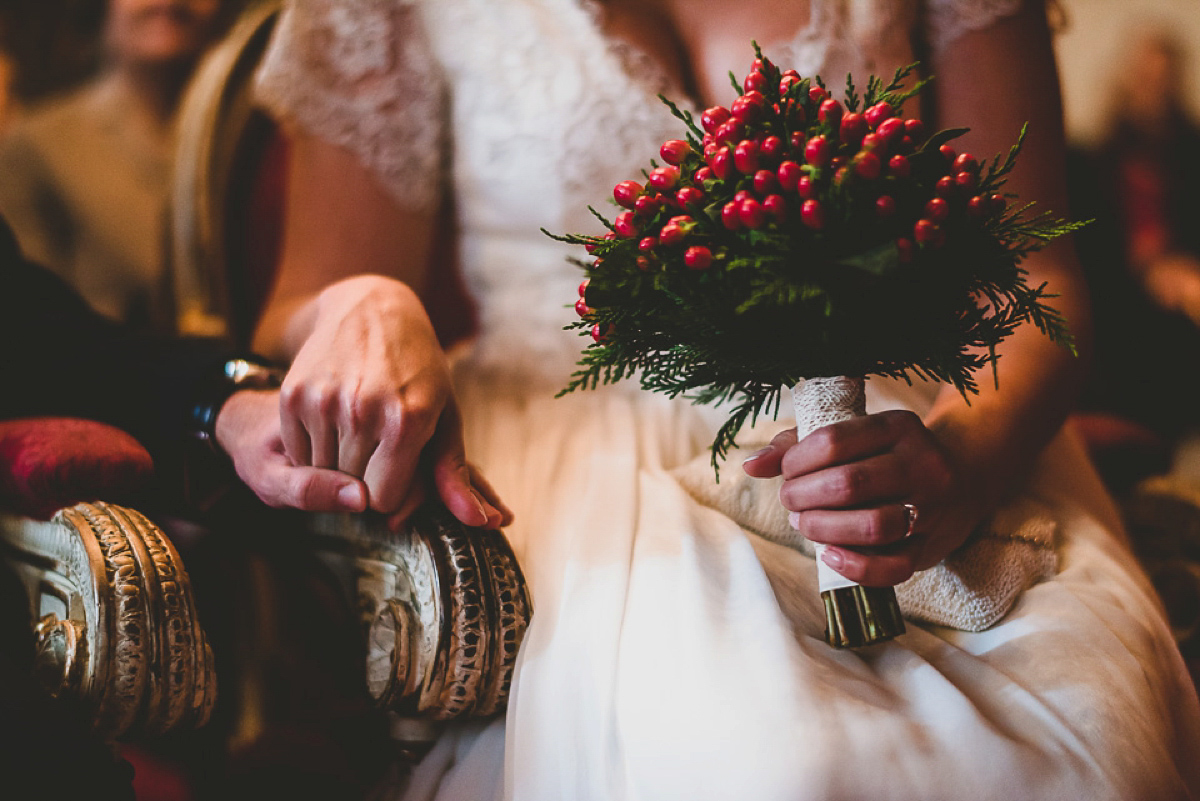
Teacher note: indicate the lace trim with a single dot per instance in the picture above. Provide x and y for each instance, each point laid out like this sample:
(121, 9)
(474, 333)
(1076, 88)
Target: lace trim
(946, 20)
(360, 74)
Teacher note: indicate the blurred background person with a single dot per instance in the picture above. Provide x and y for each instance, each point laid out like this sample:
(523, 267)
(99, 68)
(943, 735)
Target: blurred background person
(1142, 257)
(86, 175)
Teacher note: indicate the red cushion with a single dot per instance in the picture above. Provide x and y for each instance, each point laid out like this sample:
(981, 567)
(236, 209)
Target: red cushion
(47, 463)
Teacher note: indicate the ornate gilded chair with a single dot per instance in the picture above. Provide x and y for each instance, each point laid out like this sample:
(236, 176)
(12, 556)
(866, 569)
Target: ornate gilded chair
(111, 605)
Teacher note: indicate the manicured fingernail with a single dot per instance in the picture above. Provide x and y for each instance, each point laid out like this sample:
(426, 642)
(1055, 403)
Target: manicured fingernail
(794, 520)
(833, 558)
(758, 454)
(483, 515)
(351, 497)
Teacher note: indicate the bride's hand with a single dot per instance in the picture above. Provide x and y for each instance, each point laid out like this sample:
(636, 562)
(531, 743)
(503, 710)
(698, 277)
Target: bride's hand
(856, 486)
(369, 393)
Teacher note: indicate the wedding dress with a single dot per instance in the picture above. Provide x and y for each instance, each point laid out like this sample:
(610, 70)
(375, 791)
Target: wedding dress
(673, 655)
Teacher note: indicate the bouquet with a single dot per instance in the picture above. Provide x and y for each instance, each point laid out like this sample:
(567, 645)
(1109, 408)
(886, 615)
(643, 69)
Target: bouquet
(796, 241)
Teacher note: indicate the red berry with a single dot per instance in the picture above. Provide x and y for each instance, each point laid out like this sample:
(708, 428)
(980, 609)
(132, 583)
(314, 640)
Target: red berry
(626, 193)
(703, 174)
(647, 205)
(771, 149)
(671, 234)
(689, 196)
(998, 204)
(966, 181)
(697, 257)
(805, 187)
(906, 249)
(597, 263)
(745, 156)
(752, 213)
(830, 112)
(647, 243)
(776, 208)
(722, 163)
(625, 225)
(731, 217)
(891, 129)
(680, 219)
(945, 186)
(787, 80)
(581, 308)
(765, 182)
(817, 94)
(977, 207)
(899, 166)
(600, 332)
(853, 127)
(797, 141)
(812, 214)
(730, 130)
(818, 151)
(965, 162)
(877, 113)
(643, 263)
(915, 129)
(937, 210)
(749, 107)
(948, 153)
(741, 195)
(755, 82)
(674, 151)
(712, 118)
(926, 232)
(788, 174)
(664, 178)
(875, 142)
(867, 165)
(710, 147)
(583, 287)
(885, 206)
(840, 175)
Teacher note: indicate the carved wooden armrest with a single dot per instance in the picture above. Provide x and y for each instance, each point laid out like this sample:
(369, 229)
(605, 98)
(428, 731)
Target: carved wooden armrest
(116, 621)
(444, 606)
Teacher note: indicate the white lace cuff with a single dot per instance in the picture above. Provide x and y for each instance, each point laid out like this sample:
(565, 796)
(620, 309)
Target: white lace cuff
(360, 74)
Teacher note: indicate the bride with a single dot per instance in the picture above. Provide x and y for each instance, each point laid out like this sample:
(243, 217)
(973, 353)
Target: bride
(673, 654)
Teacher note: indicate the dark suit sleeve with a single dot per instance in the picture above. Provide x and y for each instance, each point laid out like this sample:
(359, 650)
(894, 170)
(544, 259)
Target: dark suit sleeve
(58, 357)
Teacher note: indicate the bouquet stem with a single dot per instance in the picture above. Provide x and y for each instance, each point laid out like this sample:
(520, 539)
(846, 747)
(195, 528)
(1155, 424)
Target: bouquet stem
(854, 615)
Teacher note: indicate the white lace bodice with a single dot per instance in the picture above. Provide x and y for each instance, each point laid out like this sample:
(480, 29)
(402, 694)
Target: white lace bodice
(530, 113)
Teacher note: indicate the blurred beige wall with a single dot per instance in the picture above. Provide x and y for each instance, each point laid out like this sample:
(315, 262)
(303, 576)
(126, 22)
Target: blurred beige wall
(1096, 36)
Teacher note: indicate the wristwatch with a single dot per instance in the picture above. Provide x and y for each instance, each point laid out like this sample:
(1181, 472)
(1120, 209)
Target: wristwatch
(246, 372)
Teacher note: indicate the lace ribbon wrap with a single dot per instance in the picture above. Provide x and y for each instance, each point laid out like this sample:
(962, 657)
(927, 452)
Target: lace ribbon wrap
(820, 402)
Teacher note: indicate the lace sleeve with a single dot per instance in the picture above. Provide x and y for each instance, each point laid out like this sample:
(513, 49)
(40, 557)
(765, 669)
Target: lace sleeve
(946, 20)
(360, 74)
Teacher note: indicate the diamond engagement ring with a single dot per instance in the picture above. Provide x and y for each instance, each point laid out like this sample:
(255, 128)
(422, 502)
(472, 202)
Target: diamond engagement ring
(913, 514)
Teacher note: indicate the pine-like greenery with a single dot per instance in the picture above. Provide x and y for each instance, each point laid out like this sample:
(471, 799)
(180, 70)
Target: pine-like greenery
(785, 302)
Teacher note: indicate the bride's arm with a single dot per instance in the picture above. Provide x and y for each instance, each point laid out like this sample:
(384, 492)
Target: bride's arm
(847, 484)
(368, 391)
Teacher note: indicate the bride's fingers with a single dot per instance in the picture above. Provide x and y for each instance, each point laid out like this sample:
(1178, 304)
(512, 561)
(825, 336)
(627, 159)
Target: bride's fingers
(849, 440)
(766, 463)
(873, 527)
(491, 499)
(877, 568)
(874, 481)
